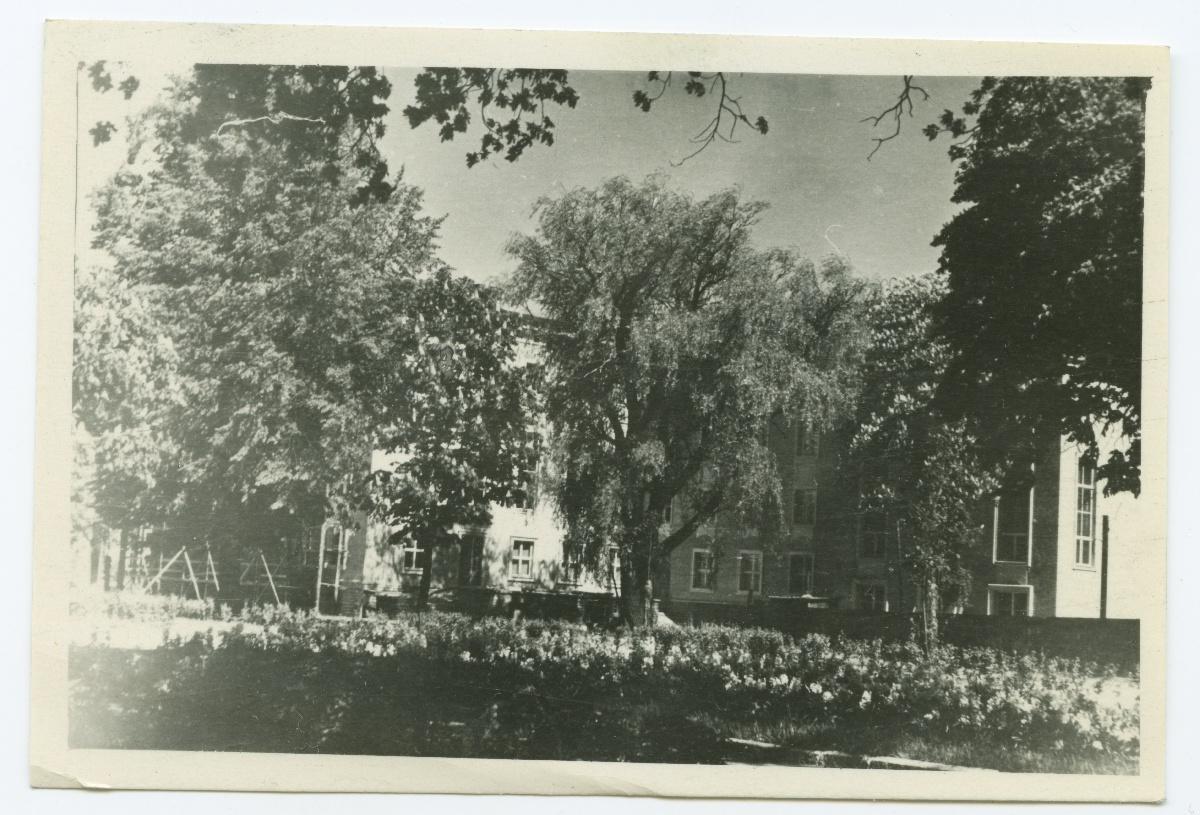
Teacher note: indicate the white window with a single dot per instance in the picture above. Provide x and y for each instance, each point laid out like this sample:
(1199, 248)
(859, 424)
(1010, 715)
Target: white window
(411, 556)
(666, 513)
(520, 567)
(704, 571)
(870, 596)
(1010, 601)
(872, 535)
(1085, 516)
(804, 507)
(750, 571)
(800, 573)
(807, 440)
(1011, 525)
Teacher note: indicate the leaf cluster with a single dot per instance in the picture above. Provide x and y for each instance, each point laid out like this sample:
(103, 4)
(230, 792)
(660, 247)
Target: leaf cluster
(510, 104)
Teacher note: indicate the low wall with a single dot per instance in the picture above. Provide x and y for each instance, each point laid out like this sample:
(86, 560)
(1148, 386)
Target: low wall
(1114, 642)
(541, 605)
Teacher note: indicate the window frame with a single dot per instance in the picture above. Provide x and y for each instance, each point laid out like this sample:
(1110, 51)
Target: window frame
(571, 573)
(802, 506)
(1028, 559)
(810, 573)
(1085, 543)
(881, 535)
(470, 561)
(514, 560)
(756, 557)
(528, 501)
(712, 570)
(807, 442)
(1010, 589)
(411, 546)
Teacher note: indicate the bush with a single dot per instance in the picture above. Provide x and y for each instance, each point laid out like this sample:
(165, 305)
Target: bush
(1023, 701)
(1028, 700)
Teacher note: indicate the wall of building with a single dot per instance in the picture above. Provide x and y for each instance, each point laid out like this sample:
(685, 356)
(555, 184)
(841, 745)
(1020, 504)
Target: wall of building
(1039, 573)
(374, 565)
(801, 467)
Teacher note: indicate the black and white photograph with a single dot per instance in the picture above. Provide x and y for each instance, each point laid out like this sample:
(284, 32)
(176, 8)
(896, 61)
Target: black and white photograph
(636, 415)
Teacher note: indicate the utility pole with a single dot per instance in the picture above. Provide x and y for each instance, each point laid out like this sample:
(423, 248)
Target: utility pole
(1104, 567)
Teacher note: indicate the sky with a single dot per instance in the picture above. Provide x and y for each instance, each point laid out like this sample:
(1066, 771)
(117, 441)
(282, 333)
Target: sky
(811, 168)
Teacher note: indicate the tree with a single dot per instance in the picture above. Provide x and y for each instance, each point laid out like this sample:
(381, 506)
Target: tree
(1043, 313)
(125, 383)
(923, 471)
(308, 326)
(674, 343)
(464, 447)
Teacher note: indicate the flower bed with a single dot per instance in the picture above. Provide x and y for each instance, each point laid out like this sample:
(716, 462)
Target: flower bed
(1024, 702)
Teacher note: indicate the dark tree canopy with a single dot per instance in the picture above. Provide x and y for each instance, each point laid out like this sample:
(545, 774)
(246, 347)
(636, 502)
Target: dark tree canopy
(676, 344)
(304, 329)
(1043, 313)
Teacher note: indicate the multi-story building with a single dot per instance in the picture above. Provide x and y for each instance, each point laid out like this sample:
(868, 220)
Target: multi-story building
(1051, 546)
(1043, 547)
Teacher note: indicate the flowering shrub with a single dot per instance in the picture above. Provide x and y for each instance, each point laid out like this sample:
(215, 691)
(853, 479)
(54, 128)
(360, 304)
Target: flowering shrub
(1027, 701)
(1033, 701)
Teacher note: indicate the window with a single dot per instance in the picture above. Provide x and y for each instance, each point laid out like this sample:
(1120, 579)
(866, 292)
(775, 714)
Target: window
(411, 556)
(521, 565)
(470, 561)
(527, 493)
(612, 566)
(871, 596)
(1012, 526)
(750, 572)
(806, 440)
(872, 542)
(804, 507)
(800, 573)
(572, 568)
(1085, 516)
(666, 513)
(1010, 601)
(704, 570)
(332, 541)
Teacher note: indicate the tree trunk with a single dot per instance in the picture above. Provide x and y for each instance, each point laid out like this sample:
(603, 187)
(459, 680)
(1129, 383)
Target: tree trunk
(929, 614)
(637, 587)
(426, 578)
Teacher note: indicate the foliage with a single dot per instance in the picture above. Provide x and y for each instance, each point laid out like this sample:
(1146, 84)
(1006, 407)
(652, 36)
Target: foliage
(126, 384)
(308, 326)
(1043, 314)
(518, 95)
(673, 344)
(924, 471)
(512, 105)
(1030, 701)
(458, 409)
(326, 116)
